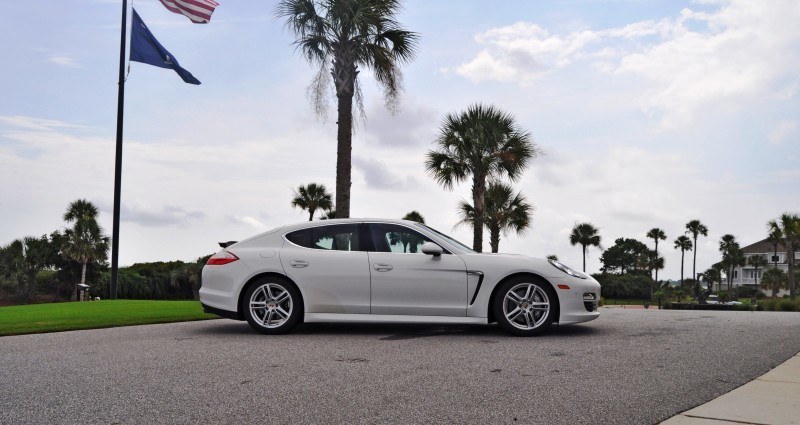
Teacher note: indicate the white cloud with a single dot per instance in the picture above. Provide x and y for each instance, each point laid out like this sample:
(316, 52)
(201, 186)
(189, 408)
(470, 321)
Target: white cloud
(784, 132)
(66, 61)
(693, 61)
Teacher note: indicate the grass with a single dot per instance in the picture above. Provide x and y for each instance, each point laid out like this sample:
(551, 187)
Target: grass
(69, 316)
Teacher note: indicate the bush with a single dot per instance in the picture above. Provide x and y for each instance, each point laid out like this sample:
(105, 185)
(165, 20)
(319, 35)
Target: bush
(787, 305)
(627, 286)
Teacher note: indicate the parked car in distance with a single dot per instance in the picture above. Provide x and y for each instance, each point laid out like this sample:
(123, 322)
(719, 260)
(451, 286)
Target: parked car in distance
(389, 271)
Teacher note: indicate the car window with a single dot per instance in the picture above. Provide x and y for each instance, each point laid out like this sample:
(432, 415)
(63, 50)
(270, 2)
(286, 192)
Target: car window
(339, 237)
(394, 238)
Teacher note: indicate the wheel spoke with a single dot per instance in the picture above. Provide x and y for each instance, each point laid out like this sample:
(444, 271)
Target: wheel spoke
(514, 314)
(528, 319)
(267, 318)
(281, 312)
(283, 296)
(528, 293)
(258, 304)
(514, 297)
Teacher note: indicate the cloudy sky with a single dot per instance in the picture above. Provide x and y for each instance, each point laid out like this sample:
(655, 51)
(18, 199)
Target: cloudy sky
(649, 114)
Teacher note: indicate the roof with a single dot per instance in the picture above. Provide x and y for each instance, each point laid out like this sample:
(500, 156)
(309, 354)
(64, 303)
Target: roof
(762, 246)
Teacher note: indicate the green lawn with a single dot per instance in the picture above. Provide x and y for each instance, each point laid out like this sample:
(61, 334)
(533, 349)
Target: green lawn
(68, 316)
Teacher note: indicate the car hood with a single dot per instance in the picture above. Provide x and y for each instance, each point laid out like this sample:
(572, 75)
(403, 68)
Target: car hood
(511, 263)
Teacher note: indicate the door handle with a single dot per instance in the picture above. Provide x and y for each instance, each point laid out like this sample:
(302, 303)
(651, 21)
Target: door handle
(381, 267)
(298, 264)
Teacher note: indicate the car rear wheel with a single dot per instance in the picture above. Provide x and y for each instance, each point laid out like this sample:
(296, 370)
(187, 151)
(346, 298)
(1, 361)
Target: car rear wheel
(525, 306)
(272, 306)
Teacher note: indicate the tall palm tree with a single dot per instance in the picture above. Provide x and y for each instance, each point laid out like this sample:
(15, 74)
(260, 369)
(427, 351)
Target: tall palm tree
(774, 238)
(483, 143)
(684, 244)
(788, 226)
(585, 234)
(505, 212)
(656, 234)
(730, 256)
(757, 261)
(712, 275)
(312, 197)
(414, 216)
(342, 37)
(695, 228)
(85, 241)
(775, 280)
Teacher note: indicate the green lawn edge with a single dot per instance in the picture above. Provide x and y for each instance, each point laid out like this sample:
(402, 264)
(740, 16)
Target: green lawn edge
(62, 317)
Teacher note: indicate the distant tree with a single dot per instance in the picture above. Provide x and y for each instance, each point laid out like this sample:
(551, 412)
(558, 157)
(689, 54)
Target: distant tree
(341, 36)
(731, 256)
(585, 234)
(626, 255)
(774, 237)
(312, 197)
(695, 228)
(414, 216)
(712, 275)
(480, 143)
(552, 257)
(758, 262)
(775, 280)
(684, 244)
(788, 227)
(22, 260)
(329, 214)
(85, 241)
(656, 234)
(505, 212)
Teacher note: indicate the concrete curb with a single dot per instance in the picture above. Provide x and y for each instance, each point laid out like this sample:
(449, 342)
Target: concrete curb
(771, 399)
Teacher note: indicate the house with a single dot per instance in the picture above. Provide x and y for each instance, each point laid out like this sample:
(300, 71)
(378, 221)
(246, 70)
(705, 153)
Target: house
(775, 257)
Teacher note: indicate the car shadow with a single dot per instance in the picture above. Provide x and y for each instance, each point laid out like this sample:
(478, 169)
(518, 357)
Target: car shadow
(397, 331)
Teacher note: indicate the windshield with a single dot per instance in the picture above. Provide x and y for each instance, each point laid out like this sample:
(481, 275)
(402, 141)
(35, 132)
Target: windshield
(447, 238)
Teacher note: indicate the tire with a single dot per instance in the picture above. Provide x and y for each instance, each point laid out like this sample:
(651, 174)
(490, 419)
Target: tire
(525, 306)
(272, 305)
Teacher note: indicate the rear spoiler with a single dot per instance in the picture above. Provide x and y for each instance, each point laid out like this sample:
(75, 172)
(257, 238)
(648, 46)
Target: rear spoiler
(226, 244)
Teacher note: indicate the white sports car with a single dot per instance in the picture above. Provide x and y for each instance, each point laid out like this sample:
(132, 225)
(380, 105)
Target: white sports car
(390, 271)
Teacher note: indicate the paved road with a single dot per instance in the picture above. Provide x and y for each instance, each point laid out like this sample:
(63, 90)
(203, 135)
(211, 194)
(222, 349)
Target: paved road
(628, 367)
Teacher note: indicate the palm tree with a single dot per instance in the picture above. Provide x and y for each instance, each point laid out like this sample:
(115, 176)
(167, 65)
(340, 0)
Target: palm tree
(85, 241)
(788, 227)
(684, 244)
(731, 256)
(775, 280)
(414, 216)
(695, 228)
(774, 238)
(505, 212)
(585, 234)
(757, 261)
(552, 257)
(656, 234)
(482, 142)
(653, 262)
(346, 35)
(713, 275)
(312, 197)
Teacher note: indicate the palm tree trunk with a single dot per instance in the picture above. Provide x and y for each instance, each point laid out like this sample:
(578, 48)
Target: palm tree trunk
(656, 279)
(494, 238)
(83, 280)
(478, 192)
(310, 214)
(682, 251)
(696, 288)
(584, 259)
(344, 151)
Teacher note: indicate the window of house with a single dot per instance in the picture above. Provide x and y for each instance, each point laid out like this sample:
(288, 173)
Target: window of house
(339, 237)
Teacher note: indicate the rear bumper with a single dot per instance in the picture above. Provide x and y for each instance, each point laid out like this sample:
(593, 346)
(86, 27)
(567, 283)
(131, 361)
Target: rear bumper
(222, 313)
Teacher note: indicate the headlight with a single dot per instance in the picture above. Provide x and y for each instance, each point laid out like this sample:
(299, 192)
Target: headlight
(567, 269)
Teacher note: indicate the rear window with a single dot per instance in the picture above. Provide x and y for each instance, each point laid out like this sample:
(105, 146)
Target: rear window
(339, 237)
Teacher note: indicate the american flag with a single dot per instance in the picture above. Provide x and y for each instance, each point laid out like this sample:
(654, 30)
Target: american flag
(198, 11)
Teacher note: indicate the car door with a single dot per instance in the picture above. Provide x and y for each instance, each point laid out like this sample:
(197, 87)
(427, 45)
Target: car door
(407, 282)
(330, 268)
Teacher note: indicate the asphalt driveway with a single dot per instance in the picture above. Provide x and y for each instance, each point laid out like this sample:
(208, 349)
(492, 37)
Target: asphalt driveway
(628, 367)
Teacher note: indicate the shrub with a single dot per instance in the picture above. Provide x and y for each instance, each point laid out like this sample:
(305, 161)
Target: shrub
(787, 305)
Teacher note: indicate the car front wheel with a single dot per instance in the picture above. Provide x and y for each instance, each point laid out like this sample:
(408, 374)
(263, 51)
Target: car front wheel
(272, 306)
(525, 306)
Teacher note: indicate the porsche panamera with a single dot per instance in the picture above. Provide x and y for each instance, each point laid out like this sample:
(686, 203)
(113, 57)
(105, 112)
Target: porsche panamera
(388, 271)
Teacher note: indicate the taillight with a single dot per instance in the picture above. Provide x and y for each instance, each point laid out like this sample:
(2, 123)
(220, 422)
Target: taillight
(220, 258)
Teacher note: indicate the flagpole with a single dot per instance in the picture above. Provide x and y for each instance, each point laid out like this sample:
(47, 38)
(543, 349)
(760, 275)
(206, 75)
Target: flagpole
(118, 164)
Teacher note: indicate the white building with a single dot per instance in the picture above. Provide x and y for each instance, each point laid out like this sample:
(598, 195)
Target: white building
(746, 275)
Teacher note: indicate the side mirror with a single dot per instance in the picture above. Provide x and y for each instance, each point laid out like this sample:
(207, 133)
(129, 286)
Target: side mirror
(431, 248)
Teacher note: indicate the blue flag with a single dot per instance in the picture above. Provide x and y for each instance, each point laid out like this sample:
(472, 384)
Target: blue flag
(146, 49)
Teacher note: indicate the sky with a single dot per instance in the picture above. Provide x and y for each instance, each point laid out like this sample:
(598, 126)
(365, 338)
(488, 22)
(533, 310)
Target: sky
(648, 114)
